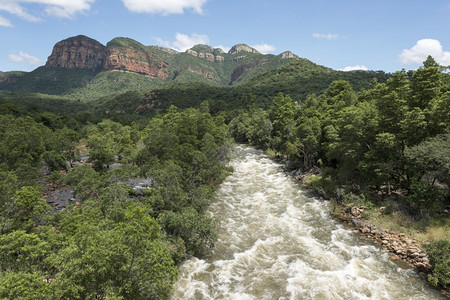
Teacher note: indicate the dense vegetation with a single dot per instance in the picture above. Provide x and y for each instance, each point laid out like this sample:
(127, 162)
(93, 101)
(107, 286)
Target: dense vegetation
(383, 142)
(114, 242)
(387, 145)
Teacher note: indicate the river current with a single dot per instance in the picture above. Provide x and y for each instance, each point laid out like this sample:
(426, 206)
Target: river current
(278, 242)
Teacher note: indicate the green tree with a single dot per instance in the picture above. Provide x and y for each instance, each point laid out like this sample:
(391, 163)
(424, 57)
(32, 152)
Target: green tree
(426, 84)
(24, 210)
(25, 286)
(197, 231)
(282, 113)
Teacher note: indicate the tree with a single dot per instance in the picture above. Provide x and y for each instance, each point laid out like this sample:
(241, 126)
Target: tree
(282, 113)
(431, 158)
(25, 286)
(24, 210)
(196, 230)
(309, 132)
(426, 84)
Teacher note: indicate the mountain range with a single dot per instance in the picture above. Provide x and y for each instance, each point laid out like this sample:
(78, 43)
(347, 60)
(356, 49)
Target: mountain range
(201, 63)
(84, 70)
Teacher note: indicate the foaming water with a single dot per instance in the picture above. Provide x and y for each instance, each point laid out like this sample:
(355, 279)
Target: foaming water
(275, 242)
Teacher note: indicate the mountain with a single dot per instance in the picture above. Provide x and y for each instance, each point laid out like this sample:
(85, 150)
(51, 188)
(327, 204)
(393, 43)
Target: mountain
(125, 76)
(80, 64)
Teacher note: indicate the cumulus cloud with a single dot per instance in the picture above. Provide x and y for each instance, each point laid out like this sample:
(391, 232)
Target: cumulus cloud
(5, 22)
(13, 7)
(326, 36)
(25, 58)
(420, 51)
(165, 7)
(354, 68)
(58, 8)
(183, 41)
(264, 48)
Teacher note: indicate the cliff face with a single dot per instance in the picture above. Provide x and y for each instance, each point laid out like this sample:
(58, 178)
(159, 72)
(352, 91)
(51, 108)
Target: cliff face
(127, 55)
(77, 52)
(86, 53)
(130, 60)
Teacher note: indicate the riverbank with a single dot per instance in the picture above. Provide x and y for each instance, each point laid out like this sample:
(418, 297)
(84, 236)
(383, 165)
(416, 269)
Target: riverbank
(402, 247)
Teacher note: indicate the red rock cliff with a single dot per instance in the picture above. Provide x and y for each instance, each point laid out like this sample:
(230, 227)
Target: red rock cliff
(86, 53)
(129, 60)
(77, 52)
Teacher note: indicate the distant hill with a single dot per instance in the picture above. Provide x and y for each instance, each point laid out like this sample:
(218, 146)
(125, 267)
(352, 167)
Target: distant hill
(125, 76)
(77, 66)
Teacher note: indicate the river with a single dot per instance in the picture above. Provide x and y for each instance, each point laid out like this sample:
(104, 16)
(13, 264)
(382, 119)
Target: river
(278, 242)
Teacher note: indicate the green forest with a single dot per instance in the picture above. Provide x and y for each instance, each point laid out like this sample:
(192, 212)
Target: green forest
(383, 144)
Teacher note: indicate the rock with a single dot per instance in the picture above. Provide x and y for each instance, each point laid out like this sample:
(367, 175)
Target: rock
(77, 52)
(81, 52)
(242, 48)
(394, 258)
(287, 55)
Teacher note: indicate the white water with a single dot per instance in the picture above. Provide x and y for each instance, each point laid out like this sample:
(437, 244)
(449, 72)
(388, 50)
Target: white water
(275, 242)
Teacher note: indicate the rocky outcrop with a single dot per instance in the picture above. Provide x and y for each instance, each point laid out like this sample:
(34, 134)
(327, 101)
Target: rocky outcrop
(203, 73)
(242, 48)
(127, 55)
(399, 245)
(206, 52)
(77, 52)
(86, 53)
(129, 60)
(287, 54)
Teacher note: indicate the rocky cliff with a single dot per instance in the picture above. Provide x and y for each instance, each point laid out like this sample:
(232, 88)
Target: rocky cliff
(129, 60)
(77, 52)
(127, 55)
(242, 48)
(85, 53)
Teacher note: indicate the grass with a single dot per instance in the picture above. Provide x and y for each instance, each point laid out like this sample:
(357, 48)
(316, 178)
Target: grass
(389, 215)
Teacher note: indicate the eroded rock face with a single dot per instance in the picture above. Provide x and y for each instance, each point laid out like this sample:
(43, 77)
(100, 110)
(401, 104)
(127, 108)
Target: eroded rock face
(86, 53)
(288, 54)
(242, 48)
(77, 52)
(127, 55)
(128, 60)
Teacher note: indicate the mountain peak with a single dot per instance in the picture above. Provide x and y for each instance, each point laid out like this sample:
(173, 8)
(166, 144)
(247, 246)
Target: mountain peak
(76, 52)
(242, 48)
(202, 48)
(288, 54)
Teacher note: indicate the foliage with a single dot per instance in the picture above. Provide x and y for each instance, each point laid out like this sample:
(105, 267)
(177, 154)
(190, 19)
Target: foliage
(439, 254)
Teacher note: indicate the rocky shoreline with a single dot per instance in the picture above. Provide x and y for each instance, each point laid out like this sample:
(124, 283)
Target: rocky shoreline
(401, 246)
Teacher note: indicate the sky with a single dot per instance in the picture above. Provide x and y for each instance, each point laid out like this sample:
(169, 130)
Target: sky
(387, 35)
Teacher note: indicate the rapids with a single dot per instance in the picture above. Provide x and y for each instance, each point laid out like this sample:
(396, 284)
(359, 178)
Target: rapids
(278, 242)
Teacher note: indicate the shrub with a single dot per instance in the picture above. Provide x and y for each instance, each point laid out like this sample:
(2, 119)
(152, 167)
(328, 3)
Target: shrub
(439, 254)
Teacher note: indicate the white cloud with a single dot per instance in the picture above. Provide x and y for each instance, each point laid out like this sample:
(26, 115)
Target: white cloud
(354, 68)
(13, 7)
(326, 36)
(264, 48)
(5, 22)
(420, 51)
(164, 7)
(25, 58)
(183, 41)
(58, 8)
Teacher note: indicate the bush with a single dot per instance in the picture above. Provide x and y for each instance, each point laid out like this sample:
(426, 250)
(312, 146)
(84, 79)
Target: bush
(439, 254)
(425, 198)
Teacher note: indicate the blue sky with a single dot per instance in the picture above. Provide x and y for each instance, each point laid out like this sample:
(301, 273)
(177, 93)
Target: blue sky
(346, 34)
